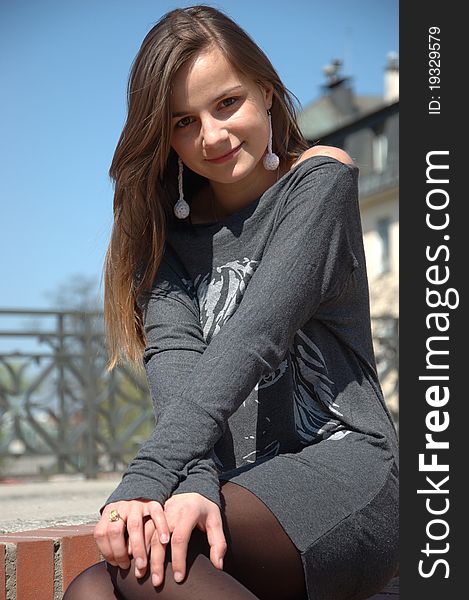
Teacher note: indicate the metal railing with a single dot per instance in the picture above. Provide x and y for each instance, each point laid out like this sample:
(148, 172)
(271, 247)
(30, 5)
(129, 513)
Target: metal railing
(61, 411)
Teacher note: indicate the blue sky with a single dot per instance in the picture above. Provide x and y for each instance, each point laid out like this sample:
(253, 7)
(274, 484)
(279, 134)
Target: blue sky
(64, 71)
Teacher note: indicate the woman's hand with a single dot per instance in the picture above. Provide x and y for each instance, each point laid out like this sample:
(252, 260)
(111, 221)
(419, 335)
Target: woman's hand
(183, 512)
(142, 520)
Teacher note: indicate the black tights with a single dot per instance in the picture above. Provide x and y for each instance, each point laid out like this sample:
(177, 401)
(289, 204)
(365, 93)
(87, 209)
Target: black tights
(261, 563)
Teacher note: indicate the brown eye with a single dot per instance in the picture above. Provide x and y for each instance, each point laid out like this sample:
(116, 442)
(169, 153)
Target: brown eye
(228, 100)
(183, 123)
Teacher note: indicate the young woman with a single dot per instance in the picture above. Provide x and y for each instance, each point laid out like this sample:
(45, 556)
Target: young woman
(236, 269)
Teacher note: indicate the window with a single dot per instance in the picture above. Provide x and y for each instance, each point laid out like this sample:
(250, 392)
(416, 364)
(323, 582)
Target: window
(380, 152)
(384, 263)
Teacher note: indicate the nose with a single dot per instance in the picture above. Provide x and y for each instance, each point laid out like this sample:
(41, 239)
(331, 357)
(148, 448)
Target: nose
(214, 133)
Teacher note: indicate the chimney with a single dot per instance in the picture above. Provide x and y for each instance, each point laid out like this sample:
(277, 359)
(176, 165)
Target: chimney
(338, 89)
(391, 78)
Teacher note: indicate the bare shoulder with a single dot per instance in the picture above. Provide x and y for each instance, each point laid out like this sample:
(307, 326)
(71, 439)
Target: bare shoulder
(332, 151)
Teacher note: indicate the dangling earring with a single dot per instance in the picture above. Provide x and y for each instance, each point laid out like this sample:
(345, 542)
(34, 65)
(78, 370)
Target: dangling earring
(271, 160)
(181, 208)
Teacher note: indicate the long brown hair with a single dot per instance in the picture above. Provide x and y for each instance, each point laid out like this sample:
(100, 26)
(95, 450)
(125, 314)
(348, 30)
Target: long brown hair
(144, 166)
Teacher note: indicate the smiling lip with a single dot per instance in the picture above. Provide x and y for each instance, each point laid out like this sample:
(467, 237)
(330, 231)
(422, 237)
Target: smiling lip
(224, 157)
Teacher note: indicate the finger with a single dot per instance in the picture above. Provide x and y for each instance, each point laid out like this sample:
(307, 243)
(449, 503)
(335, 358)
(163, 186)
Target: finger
(148, 532)
(157, 558)
(155, 510)
(137, 540)
(102, 540)
(116, 532)
(179, 542)
(216, 539)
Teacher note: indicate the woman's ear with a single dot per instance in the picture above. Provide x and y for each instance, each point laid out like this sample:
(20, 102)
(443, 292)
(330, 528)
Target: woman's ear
(267, 90)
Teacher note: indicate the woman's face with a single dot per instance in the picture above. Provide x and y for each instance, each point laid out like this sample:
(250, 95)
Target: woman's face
(217, 110)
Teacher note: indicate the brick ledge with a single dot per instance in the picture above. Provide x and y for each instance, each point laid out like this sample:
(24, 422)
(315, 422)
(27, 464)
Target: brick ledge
(59, 554)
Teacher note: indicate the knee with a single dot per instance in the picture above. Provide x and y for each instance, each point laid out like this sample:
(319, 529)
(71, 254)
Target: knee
(127, 585)
(85, 583)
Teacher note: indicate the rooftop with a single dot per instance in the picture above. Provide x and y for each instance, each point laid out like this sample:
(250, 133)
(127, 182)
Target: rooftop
(339, 106)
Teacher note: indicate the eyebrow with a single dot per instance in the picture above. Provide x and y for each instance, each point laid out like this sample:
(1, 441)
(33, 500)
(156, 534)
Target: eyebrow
(225, 93)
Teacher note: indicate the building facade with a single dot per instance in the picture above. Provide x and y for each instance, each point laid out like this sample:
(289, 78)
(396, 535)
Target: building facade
(367, 127)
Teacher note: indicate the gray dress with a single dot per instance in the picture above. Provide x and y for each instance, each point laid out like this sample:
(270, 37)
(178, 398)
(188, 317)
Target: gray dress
(261, 367)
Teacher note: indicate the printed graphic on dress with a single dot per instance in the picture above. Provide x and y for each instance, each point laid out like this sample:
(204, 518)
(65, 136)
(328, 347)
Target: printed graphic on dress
(220, 295)
(313, 391)
(269, 451)
(273, 376)
(314, 399)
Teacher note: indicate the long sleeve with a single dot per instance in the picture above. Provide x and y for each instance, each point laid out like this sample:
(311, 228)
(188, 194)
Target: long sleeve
(307, 262)
(175, 343)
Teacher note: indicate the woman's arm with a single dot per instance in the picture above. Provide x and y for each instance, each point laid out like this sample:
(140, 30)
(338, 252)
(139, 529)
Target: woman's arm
(307, 262)
(175, 343)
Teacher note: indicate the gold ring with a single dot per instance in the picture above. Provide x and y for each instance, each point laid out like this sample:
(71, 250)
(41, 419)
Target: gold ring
(114, 516)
